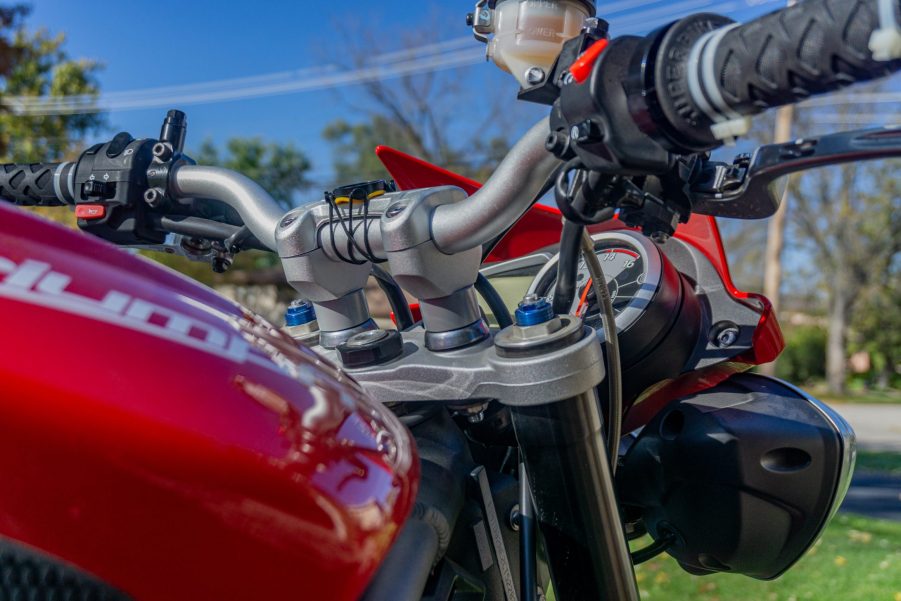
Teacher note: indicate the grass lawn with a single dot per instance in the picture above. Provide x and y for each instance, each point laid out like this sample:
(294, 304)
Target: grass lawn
(857, 559)
(882, 462)
(869, 397)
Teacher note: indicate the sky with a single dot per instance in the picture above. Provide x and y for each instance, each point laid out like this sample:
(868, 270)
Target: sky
(144, 44)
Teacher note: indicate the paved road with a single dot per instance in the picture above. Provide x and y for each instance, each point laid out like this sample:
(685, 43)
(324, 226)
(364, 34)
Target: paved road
(878, 428)
(874, 496)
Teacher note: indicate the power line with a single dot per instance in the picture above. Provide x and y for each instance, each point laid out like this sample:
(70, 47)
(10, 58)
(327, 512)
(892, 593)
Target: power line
(859, 119)
(330, 80)
(432, 57)
(857, 97)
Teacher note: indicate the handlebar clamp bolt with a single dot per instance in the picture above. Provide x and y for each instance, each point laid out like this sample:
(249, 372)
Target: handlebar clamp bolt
(162, 151)
(154, 197)
(557, 143)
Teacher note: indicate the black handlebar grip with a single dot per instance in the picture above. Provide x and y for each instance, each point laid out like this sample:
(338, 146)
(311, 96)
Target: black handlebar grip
(811, 48)
(36, 184)
(701, 76)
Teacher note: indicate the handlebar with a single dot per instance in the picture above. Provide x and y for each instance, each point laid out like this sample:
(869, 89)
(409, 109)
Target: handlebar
(503, 199)
(259, 212)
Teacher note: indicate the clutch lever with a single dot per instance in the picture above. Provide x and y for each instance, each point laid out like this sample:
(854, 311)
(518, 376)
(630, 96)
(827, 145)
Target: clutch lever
(743, 190)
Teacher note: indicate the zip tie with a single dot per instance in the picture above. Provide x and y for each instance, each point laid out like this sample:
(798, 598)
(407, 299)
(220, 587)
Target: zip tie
(885, 43)
(705, 91)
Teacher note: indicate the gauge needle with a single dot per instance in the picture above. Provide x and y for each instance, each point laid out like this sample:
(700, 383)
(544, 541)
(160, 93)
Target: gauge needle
(582, 304)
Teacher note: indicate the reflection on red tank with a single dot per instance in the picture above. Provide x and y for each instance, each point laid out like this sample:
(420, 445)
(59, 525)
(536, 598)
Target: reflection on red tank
(160, 437)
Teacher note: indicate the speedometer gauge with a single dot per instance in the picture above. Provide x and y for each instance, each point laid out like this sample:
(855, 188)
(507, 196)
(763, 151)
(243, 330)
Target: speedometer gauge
(657, 311)
(632, 265)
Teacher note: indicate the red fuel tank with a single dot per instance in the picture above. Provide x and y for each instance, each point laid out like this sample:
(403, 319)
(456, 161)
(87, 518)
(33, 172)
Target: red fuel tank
(175, 446)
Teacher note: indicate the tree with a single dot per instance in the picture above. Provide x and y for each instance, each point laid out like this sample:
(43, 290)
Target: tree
(430, 115)
(281, 169)
(10, 19)
(36, 64)
(848, 215)
(877, 324)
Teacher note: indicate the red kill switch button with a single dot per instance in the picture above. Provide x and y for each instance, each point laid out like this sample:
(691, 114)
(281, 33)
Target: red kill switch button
(90, 211)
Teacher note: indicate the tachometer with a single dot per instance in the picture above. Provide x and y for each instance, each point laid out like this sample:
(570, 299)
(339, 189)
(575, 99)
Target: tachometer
(657, 312)
(632, 266)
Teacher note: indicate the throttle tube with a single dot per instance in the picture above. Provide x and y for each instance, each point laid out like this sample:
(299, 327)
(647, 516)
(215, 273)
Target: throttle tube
(37, 184)
(704, 75)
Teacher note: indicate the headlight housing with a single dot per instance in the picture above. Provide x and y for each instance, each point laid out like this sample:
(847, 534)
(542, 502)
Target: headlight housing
(743, 476)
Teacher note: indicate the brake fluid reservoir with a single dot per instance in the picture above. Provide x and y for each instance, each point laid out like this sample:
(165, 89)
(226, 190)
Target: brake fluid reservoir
(529, 34)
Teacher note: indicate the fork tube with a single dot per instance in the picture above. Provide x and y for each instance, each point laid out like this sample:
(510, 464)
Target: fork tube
(563, 449)
(528, 569)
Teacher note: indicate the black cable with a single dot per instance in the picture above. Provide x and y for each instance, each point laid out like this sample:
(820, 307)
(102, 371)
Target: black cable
(332, 210)
(389, 286)
(369, 251)
(195, 227)
(575, 197)
(353, 247)
(614, 364)
(351, 240)
(567, 267)
(494, 301)
(653, 550)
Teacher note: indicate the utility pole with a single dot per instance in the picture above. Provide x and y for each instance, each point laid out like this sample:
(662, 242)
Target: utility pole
(775, 238)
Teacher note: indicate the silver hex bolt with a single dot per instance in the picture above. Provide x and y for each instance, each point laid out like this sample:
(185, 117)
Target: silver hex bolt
(535, 75)
(725, 334)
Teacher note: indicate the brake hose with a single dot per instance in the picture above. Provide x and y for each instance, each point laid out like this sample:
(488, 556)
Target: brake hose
(614, 374)
(567, 267)
(494, 301)
(392, 291)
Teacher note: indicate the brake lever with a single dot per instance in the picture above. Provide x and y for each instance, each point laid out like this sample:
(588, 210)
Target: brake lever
(743, 190)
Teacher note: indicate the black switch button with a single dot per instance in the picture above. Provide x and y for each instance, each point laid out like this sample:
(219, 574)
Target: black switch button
(118, 144)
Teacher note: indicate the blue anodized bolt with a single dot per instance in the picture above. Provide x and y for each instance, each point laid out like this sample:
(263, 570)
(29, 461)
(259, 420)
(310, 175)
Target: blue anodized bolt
(300, 313)
(534, 310)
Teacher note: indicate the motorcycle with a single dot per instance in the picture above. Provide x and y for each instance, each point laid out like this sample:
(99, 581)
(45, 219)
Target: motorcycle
(161, 442)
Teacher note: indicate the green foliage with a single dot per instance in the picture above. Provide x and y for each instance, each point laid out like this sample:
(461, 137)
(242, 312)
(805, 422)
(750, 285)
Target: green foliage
(10, 20)
(354, 145)
(857, 559)
(877, 325)
(203, 273)
(281, 169)
(804, 358)
(38, 65)
(881, 462)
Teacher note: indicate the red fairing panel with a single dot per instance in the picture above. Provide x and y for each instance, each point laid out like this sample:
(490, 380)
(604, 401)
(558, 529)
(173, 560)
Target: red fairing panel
(159, 437)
